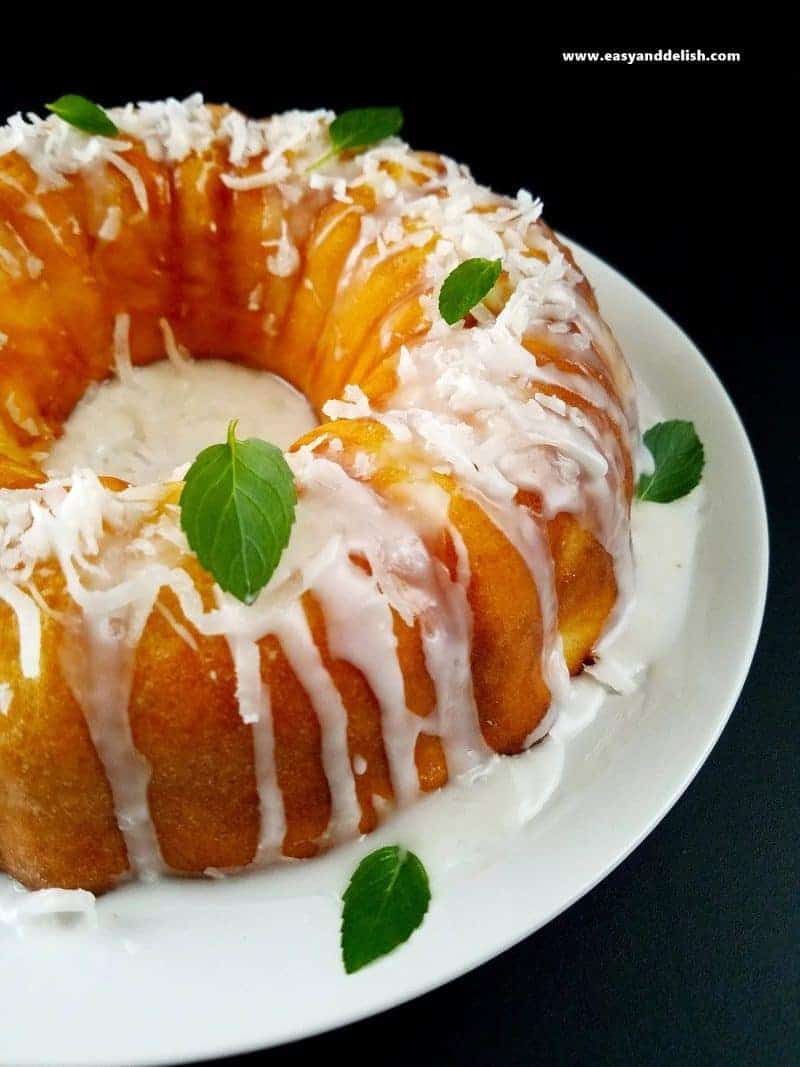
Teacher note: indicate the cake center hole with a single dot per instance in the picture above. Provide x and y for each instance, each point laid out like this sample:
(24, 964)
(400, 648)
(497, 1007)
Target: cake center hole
(142, 428)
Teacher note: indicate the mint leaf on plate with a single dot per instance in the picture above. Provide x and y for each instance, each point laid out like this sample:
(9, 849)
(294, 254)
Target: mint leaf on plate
(679, 459)
(385, 902)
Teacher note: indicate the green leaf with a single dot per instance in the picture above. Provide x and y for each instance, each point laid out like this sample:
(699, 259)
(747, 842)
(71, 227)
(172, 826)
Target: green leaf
(679, 458)
(83, 115)
(360, 128)
(237, 510)
(385, 902)
(364, 126)
(466, 286)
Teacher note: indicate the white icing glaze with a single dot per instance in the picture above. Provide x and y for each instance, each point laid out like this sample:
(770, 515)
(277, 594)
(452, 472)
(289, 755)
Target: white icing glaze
(98, 665)
(447, 641)
(28, 623)
(156, 418)
(19, 905)
(255, 708)
(361, 632)
(305, 660)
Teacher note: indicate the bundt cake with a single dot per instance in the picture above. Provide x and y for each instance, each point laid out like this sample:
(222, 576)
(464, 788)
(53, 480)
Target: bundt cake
(461, 542)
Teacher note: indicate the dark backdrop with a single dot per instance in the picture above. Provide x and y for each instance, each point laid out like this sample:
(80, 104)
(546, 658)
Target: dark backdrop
(681, 177)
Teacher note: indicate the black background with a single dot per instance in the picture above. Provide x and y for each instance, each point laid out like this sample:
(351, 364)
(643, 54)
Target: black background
(684, 178)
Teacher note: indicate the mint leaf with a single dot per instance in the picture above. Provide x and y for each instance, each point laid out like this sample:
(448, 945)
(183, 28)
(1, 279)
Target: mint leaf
(466, 286)
(360, 128)
(237, 510)
(364, 126)
(385, 902)
(83, 115)
(679, 458)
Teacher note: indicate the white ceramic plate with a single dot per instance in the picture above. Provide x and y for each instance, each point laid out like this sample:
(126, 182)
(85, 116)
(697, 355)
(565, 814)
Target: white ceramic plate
(187, 970)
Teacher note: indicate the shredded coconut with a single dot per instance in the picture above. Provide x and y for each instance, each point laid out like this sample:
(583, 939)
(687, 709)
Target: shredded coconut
(110, 226)
(286, 258)
(169, 129)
